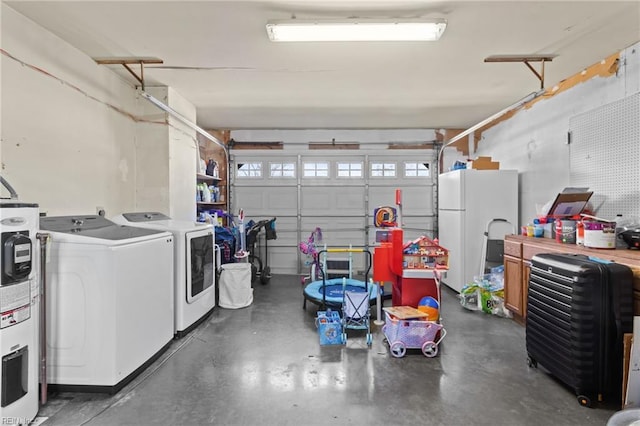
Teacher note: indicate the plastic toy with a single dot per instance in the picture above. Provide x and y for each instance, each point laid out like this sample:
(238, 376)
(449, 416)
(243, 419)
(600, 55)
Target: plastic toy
(429, 306)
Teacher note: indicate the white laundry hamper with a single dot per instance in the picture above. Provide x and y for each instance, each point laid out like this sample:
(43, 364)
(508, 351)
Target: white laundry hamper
(235, 289)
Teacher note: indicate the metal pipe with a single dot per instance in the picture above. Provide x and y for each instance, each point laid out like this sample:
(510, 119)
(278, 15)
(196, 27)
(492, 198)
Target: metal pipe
(488, 120)
(14, 194)
(43, 237)
(472, 129)
(198, 130)
(185, 121)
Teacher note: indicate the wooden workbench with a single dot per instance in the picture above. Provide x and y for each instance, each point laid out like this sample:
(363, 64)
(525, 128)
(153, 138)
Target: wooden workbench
(518, 251)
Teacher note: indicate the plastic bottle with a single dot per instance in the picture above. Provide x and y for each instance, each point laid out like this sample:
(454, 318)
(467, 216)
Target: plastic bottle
(579, 233)
(538, 230)
(200, 192)
(621, 224)
(210, 166)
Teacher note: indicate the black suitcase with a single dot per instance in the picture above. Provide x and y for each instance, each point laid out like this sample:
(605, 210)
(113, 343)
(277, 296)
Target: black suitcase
(578, 309)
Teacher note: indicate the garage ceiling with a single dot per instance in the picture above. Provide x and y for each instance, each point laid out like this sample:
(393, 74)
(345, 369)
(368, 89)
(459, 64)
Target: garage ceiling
(218, 56)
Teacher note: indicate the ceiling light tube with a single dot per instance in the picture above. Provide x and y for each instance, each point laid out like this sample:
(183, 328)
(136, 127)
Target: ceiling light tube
(357, 30)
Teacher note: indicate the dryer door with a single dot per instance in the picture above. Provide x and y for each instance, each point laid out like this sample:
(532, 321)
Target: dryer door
(200, 263)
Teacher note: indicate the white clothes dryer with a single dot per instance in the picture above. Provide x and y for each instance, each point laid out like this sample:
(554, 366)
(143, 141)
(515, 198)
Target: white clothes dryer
(109, 301)
(194, 265)
(19, 312)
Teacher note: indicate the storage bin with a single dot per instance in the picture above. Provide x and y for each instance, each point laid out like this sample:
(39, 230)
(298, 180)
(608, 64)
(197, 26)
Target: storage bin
(235, 286)
(329, 327)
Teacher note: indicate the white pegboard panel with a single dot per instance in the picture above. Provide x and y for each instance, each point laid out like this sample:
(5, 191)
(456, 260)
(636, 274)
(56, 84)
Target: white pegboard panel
(605, 156)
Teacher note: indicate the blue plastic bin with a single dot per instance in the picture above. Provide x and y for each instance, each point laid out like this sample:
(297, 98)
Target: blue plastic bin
(329, 327)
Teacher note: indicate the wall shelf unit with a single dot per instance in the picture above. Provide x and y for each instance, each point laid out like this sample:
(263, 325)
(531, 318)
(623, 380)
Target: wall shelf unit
(207, 178)
(210, 151)
(217, 203)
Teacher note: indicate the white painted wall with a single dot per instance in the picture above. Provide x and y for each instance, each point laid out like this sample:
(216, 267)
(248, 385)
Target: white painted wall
(74, 142)
(2, 190)
(62, 146)
(152, 155)
(183, 154)
(534, 140)
(166, 157)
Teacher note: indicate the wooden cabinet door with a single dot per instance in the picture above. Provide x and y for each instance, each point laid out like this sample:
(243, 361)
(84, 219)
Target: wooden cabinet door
(513, 284)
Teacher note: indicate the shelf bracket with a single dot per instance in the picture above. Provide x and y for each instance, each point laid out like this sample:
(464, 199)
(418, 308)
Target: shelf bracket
(126, 61)
(526, 59)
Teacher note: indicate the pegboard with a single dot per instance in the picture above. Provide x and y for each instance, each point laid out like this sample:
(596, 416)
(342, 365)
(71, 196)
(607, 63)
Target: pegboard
(605, 156)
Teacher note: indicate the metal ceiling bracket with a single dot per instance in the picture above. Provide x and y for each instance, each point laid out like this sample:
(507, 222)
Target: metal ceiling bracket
(126, 61)
(526, 59)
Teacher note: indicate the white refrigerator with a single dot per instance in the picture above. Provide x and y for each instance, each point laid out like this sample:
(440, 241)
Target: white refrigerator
(467, 201)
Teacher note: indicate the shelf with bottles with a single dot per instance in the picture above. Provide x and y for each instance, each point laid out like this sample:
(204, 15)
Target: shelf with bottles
(209, 194)
(212, 203)
(207, 178)
(210, 213)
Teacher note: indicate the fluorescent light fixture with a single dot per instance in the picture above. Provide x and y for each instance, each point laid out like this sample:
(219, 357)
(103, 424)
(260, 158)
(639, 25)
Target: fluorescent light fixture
(357, 30)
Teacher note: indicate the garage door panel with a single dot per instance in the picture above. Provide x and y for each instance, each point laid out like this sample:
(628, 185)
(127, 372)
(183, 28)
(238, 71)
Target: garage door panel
(283, 260)
(417, 228)
(343, 201)
(341, 206)
(417, 200)
(315, 200)
(336, 231)
(286, 230)
(412, 229)
(249, 199)
(382, 196)
(283, 200)
(261, 201)
(343, 237)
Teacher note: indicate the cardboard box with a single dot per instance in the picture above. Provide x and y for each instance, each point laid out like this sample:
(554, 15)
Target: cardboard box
(627, 343)
(485, 163)
(632, 397)
(569, 204)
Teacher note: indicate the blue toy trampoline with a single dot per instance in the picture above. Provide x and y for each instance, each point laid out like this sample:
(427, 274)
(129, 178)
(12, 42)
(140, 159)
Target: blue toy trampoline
(330, 293)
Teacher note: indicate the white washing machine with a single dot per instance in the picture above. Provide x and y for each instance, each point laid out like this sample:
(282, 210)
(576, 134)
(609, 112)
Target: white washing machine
(19, 313)
(109, 301)
(194, 265)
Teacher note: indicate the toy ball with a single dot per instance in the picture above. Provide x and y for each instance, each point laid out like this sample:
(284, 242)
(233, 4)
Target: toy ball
(430, 302)
(429, 306)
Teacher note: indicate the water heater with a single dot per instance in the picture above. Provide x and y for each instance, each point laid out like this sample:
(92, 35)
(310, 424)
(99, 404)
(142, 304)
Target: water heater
(19, 312)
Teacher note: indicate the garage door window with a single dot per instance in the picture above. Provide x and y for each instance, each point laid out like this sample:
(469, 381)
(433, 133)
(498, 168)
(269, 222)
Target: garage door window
(416, 169)
(349, 170)
(316, 169)
(282, 170)
(383, 169)
(249, 170)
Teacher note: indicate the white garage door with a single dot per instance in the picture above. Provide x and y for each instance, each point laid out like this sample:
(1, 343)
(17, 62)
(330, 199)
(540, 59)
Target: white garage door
(336, 191)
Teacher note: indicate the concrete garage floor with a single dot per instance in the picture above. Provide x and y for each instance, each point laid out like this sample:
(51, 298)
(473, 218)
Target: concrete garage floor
(263, 365)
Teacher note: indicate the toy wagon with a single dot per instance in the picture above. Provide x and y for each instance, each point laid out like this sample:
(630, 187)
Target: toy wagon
(403, 334)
